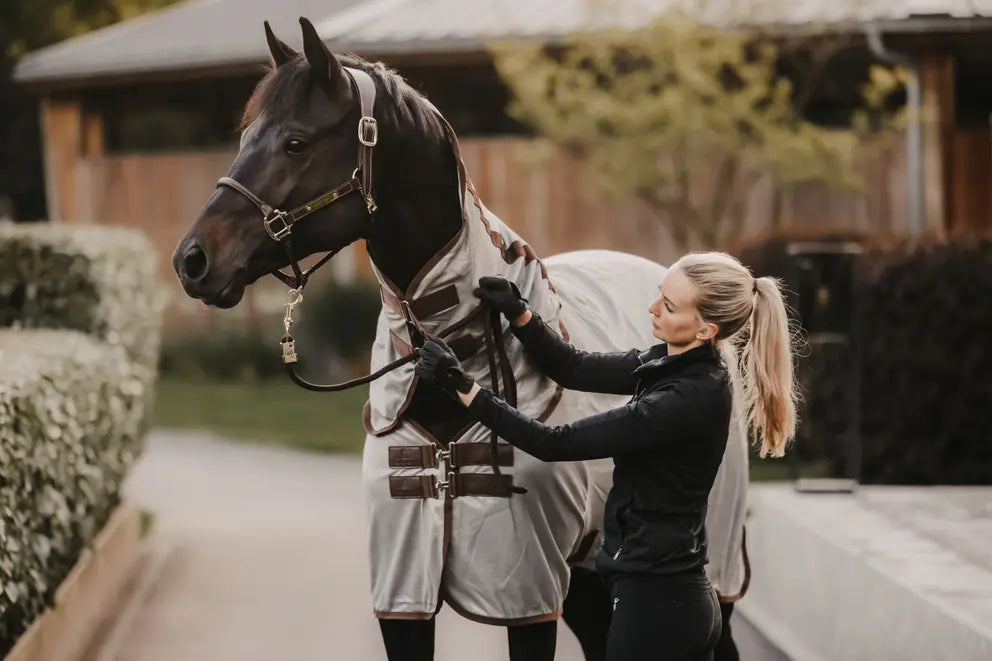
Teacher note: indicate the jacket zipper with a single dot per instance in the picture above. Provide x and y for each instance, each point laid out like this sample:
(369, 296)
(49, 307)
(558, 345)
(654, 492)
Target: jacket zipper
(616, 556)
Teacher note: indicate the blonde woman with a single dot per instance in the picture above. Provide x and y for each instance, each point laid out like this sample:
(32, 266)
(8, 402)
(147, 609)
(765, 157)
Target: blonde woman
(667, 442)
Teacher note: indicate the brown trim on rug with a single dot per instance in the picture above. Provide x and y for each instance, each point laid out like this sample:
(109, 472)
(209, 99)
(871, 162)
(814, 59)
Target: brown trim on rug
(498, 621)
(515, 250)
(582, 550)
(384, 282)
(367, 411)
(403, 615)
(552, 405)
(399, 345)
(747, 573)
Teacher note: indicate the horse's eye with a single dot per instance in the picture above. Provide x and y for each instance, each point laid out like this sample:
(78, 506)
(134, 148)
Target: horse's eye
(296, 147)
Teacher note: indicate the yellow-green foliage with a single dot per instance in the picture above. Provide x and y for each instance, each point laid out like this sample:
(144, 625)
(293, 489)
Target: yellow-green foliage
(77, 364)
(661, 108)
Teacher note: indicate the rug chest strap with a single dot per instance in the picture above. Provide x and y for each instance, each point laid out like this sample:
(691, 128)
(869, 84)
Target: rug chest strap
(456, 456)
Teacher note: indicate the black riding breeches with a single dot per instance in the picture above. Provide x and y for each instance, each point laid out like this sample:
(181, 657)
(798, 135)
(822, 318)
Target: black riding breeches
(663, 618)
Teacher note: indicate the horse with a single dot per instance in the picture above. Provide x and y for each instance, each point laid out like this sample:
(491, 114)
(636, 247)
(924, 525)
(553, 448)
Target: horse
(449, 524)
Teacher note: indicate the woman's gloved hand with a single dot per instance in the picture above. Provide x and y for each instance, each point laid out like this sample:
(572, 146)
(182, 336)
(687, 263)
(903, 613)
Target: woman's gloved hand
(501, 295)
(437, 363)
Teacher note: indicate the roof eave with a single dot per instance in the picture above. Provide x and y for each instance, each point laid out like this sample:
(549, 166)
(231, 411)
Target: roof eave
(460, 51)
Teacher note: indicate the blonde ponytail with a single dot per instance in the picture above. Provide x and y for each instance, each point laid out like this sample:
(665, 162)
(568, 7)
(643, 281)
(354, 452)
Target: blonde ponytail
(750, 313)
(768, 378)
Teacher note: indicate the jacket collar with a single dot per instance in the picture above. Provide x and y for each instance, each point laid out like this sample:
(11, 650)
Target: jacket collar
(656, 360)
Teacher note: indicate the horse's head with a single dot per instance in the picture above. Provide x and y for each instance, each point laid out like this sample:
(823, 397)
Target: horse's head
(299, 141)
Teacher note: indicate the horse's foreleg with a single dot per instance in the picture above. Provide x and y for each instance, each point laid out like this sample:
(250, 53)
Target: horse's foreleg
(533, 642)
(587, 612)
(408, 640)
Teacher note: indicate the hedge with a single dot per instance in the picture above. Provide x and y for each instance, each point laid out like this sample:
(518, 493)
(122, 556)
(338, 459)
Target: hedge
(927, 367)
(926, 370)
(77, 364)
(90, 278)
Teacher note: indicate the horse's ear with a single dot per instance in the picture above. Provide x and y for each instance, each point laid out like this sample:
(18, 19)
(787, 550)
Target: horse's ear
(325, 67)
(280, 52)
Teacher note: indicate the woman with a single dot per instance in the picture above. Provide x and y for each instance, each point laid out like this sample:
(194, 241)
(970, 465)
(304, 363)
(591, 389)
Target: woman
(667, 442)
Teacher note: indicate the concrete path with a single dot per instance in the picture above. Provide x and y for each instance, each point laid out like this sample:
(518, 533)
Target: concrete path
(885, 572)
(268, 561)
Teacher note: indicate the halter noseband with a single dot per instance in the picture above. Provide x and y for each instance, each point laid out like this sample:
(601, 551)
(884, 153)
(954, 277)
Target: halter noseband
(279, 224)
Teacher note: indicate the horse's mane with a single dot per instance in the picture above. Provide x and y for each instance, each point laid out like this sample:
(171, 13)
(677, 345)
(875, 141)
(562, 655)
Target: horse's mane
(290, 83)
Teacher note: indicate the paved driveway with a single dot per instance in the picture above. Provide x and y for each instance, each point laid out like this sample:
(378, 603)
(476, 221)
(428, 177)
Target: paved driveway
(268, 561)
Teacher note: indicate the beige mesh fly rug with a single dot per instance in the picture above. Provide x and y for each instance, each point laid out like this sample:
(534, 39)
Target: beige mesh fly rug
(443, 525)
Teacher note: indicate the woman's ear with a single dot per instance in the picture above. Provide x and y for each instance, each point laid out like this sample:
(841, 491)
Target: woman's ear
(707, 332)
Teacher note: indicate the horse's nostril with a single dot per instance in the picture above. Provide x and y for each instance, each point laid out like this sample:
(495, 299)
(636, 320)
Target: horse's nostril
(195, 263)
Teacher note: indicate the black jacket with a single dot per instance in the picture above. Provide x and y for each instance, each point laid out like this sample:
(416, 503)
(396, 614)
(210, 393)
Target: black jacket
(667, 443)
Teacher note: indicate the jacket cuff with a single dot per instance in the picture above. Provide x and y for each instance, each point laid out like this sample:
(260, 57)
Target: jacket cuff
(479, 404)
(529, 330)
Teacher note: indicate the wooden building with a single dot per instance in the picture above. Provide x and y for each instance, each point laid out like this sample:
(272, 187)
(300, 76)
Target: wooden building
(139, 119)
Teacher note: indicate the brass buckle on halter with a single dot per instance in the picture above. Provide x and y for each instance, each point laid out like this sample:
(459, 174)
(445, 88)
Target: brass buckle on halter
(373, 128)
(280, 233)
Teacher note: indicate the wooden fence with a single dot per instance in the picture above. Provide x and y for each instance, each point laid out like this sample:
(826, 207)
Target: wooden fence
(547, 195)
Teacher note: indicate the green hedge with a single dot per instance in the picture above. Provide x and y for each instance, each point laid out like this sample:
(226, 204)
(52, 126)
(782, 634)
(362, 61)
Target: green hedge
(77, 364)
(926, 393)
(927, 367)
(94, 279)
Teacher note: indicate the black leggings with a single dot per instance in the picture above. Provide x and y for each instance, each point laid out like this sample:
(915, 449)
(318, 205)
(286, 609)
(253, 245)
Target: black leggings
(663, 618)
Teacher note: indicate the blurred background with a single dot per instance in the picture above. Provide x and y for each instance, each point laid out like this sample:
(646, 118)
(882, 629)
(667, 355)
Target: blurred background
(843, 146)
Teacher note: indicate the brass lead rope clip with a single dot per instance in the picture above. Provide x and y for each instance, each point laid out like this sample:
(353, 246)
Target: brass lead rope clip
(294, 298)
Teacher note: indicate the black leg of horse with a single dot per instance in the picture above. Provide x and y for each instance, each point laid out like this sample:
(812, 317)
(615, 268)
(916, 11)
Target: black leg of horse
(408, 640)
(533, 642)
(587, 612)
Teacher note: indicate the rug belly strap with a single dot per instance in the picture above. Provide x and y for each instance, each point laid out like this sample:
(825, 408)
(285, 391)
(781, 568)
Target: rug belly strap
(458, 485)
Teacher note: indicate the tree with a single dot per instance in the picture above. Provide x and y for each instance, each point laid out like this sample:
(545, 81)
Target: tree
(658, 108)
(26, 25)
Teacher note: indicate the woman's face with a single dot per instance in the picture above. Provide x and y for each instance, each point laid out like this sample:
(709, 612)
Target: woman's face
(674, 317)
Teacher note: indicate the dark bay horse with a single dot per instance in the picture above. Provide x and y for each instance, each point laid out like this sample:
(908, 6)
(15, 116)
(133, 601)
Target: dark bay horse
(299, 142)
(428, 234)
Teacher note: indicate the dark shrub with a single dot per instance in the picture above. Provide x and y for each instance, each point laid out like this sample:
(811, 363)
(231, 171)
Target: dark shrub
(225, 354)
(341, 318)
(926, 368)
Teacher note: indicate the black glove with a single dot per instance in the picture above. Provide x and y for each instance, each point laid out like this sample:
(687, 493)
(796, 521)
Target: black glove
(501, 295)
(437, 363)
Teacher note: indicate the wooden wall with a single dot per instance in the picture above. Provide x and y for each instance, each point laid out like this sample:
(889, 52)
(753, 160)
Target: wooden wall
(547, 195)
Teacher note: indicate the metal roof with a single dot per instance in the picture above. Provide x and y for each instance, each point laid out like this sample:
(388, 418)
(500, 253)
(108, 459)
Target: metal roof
(195, 33)
(438, 25)
(218, 33)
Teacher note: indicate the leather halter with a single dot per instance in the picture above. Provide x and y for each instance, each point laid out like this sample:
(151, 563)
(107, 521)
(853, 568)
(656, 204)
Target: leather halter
(279, 224)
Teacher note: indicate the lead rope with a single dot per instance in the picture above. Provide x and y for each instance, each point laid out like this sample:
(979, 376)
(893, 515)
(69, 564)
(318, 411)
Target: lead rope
(495, 353)
(290, 357)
